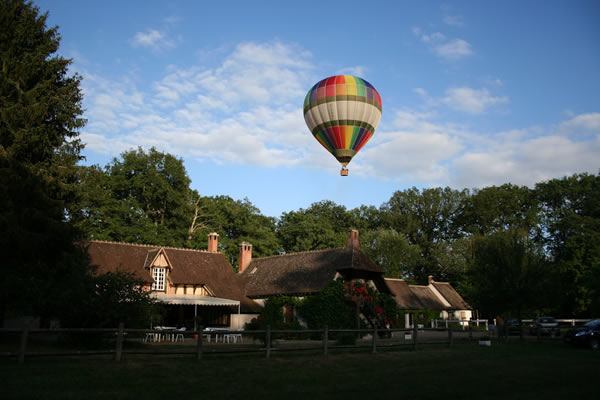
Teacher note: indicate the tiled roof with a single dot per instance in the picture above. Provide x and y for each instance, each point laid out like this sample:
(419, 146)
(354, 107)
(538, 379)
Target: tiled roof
(188, 267)
(303, 273)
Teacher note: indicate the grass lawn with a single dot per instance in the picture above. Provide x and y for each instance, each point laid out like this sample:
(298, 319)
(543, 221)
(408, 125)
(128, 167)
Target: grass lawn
(503, 371)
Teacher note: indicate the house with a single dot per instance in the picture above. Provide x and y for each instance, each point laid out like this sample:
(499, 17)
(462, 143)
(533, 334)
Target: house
(196, 285)
(435, 296)
(201, 286)
(308, 272)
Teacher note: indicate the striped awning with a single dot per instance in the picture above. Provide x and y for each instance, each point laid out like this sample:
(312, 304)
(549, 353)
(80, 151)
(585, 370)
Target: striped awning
(196, 300)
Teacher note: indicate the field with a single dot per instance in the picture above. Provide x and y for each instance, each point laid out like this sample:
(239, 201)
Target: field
(503, 371)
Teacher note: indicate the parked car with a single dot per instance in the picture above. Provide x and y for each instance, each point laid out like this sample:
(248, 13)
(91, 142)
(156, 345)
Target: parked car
(586, 335)
(545, 326)
(513, 326)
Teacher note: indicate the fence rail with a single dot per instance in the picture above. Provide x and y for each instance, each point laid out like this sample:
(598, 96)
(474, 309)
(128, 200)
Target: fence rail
(121, 342)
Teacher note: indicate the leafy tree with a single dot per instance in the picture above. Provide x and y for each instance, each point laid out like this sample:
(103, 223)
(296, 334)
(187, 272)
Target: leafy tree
(428, 220)
(329, 307)
(323, 225)
(499, 208)
(112, 298)
(392, 252)
(143, 197)
(569, 211)
(508, 274)
(236, 221)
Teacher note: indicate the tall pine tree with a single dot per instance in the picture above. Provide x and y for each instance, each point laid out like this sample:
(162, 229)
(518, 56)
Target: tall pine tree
(40, 114)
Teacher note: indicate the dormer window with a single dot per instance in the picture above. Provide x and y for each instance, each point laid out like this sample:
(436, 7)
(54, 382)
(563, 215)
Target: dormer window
(158, 274)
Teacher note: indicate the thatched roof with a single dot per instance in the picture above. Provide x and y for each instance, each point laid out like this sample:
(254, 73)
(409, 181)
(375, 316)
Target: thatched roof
(451, 295)
(188, 266)
(405, 298)
(415, 297)
(305, 272)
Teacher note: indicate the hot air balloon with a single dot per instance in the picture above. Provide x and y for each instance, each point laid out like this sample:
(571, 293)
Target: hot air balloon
(342, 113)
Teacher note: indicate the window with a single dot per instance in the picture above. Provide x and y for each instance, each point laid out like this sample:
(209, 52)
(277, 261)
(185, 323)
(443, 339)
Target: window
(158, 274)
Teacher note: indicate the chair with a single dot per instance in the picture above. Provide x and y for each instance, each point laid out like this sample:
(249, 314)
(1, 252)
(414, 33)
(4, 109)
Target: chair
(179, 335)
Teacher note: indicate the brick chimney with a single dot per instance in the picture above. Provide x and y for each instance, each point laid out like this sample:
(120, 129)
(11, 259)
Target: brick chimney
(213, 242)
(353, 241)
(245, 256)
(430, 279)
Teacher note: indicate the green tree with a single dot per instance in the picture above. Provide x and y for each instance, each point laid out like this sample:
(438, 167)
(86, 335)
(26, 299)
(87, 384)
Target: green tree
(42, 266)
(329, 307)
(508, 274)
(499, 208)
(569, 210)
(143, 197)
(392, 252)
(323, 225)
(236, 221)
(40, 114)
(428, 220)
(40, 102)
(113, 298)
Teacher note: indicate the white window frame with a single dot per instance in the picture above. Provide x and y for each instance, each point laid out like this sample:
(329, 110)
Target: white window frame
(159, 275)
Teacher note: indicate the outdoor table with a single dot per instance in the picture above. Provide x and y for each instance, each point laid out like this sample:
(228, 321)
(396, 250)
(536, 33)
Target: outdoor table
(216, 331)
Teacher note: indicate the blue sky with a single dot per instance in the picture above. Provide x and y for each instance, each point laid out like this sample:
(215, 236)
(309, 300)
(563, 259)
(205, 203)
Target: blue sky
(474, 93)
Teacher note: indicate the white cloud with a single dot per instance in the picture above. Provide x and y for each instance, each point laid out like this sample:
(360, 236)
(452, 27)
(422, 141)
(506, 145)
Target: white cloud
(449, 49)
(416, 150)
(153, 39)
(526, 161)
(583, 123)
(425, 151)
(454, 20)
(474, 101)
(357, 70)
(247, 110)
(453, 49)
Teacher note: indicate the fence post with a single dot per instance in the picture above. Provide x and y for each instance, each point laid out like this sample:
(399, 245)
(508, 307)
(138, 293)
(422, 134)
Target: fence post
(374, 341)
(521, 331)
(199, 342)
(415, 330)
(23, 347)
(450, 336)
(119, 349)
(268, 341)
(325, 340)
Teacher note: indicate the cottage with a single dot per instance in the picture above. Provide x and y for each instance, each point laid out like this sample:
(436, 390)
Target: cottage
(195, 285)
(200, 285)
(435, 296)
(308, 272)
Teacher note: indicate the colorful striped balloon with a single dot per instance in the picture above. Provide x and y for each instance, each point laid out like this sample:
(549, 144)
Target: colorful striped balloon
(342, 113)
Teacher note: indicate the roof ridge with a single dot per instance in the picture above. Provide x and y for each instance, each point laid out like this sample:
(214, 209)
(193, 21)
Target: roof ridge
(157, 246)
(298, 252)
(394, 279)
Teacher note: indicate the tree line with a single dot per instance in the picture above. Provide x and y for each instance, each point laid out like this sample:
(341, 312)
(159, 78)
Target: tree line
(509, 249)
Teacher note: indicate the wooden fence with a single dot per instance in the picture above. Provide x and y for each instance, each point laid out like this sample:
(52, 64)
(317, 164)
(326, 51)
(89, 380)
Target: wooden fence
(198, 343)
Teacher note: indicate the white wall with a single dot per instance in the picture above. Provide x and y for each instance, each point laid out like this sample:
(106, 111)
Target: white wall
(237, 321)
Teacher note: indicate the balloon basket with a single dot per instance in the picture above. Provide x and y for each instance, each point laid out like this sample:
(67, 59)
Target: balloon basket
(344, 172)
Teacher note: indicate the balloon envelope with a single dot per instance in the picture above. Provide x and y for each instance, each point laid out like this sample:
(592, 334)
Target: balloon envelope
(342, 113)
